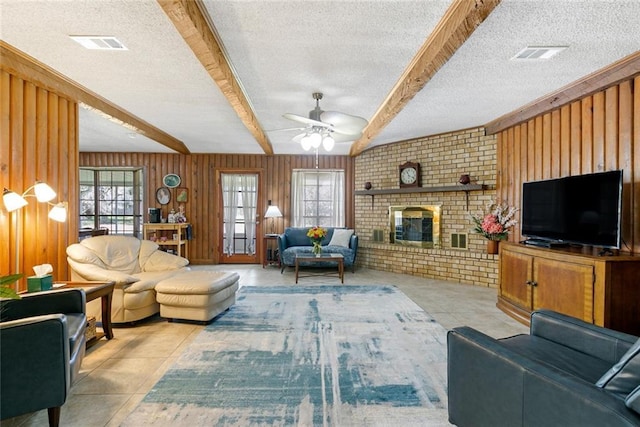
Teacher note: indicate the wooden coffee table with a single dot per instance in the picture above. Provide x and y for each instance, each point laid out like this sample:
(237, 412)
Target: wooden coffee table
(312, 259)
(94, 290)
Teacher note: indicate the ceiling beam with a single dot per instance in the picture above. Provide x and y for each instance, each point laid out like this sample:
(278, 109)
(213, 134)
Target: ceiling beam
(25, 67)
(201, 37)
(453, 30)
(624, 69)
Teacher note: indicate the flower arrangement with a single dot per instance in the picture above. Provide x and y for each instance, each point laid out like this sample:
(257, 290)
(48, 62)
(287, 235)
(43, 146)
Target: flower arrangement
(495, 224)
(316, 234)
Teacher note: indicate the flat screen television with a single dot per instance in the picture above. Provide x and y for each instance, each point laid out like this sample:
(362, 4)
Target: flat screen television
(581, 209)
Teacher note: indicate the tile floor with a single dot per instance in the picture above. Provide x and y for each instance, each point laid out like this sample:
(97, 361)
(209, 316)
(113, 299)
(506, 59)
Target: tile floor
(117, 374)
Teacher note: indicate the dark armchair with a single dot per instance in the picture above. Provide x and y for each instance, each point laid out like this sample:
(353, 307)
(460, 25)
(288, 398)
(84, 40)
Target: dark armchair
(42, 344)
(564, 373)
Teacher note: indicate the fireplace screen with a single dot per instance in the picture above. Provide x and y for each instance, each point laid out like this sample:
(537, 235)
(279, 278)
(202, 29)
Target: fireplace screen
(415, 225)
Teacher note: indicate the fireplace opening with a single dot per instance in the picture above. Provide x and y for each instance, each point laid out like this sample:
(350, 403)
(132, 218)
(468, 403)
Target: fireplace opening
(415, 225)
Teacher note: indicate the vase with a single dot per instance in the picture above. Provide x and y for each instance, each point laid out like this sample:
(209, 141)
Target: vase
(317, 249)
(492, 247)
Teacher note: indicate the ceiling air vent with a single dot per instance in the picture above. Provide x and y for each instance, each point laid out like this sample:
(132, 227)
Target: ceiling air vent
(99, 42)
(538, 53)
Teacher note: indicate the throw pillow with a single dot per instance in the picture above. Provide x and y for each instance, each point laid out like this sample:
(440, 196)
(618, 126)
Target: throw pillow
(624, 376)
(633, 400)
(341, 237)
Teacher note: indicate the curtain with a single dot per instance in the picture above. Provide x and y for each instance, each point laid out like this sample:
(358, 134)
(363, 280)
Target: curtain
(230, 201)
(336, 186)
(297, 198)
(248, 185)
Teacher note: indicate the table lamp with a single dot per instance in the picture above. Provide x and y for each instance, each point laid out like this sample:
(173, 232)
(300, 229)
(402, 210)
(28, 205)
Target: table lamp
(272, 212)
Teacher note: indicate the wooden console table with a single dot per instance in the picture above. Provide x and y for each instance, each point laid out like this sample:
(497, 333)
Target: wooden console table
(602, 290)
(163, 234)
(94, 290)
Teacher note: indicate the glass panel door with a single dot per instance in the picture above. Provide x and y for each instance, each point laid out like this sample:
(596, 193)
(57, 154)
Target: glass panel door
(239, 223)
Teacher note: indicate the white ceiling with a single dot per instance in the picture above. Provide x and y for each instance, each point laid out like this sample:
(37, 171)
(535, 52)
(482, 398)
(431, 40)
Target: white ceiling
(354, 51)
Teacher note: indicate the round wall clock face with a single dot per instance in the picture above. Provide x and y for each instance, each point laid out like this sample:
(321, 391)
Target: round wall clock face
(409, 175)
(171, 180)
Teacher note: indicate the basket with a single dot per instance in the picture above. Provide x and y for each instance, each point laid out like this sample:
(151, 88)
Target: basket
(90, 332)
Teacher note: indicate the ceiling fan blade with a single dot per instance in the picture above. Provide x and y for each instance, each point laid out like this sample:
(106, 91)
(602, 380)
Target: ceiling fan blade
(338, 137)
(287, 129)
(306, 120)
(344, 123)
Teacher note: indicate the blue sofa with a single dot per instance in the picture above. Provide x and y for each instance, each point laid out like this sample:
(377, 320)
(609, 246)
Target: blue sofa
(294, 241)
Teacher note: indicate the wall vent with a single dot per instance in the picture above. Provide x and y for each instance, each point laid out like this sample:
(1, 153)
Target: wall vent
(378, 235)
(459, 240)
(538, 53)
(99, 42)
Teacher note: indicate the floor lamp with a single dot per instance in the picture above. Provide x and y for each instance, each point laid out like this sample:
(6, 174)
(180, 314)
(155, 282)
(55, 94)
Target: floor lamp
(44, 194)
(272, 212)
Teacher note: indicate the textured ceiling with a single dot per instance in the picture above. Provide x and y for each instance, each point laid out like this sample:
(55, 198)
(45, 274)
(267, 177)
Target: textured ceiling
(353, 51)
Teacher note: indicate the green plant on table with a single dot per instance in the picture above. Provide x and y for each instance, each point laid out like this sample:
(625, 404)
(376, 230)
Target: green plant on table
(6, 290)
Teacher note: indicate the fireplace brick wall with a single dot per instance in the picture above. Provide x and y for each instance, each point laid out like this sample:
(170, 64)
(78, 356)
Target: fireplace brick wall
(443, 158)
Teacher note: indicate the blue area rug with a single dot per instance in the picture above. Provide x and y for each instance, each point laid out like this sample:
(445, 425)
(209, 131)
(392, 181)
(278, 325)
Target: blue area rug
(308, 356)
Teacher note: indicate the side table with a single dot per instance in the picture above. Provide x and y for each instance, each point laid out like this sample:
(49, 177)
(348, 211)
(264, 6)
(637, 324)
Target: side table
(94, 290)
(271, 255)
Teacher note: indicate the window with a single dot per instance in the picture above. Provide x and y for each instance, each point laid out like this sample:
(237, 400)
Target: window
(112, 199)
(318, 198)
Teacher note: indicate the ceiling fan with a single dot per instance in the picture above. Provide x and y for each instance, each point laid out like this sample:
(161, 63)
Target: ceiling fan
(326, 127)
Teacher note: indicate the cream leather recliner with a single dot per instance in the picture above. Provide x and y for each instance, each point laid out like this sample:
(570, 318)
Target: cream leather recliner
(136, 266)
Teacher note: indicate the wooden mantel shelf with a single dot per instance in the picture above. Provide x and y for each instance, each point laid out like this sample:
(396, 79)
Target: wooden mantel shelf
(440, 189)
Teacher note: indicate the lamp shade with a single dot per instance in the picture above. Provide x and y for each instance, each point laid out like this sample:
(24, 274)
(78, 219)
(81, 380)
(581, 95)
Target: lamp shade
(44, 193)
(328, 142)
(273, 212)
(316, 139)
(12, 200)
(305, 142)
(59, 212)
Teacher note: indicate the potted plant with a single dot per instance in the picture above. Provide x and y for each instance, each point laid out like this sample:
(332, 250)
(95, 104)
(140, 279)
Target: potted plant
(494, 225)
(6, 290)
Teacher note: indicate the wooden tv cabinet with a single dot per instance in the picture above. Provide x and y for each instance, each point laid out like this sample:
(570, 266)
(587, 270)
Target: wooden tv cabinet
(603, 290)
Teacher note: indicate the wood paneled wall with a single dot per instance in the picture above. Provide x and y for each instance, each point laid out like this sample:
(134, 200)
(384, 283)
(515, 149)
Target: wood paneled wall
(596, 133)
(198, 175)
(38, 129)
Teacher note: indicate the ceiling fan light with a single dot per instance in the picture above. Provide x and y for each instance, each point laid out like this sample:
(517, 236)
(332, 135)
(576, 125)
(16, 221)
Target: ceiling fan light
(328, 142)
(306, 143)
(315, 139)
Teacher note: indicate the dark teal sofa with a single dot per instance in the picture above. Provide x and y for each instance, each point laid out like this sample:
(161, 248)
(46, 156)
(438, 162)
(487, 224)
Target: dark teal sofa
(294, 241)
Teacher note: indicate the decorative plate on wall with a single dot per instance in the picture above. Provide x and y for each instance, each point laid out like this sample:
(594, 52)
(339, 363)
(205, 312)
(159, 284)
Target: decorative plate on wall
(163, 195)
(171, 180)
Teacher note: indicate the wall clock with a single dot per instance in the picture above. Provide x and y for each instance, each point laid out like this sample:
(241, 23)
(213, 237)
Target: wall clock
(410, 174)
(171, 180)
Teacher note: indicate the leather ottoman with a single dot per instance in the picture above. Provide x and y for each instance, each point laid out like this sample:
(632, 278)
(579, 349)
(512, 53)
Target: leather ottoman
(197, 295)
